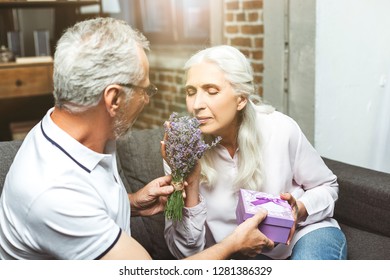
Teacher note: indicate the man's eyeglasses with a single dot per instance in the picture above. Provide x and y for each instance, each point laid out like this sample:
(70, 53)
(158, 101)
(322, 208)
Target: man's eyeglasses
(149, 90)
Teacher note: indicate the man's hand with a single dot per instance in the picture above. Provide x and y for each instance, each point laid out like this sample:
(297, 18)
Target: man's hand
(246, 239)
(151, 199)
(249, 239)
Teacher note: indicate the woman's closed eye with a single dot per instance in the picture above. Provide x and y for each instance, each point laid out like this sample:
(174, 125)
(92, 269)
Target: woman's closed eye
(209, 88)
(190, 90)
(212, 91)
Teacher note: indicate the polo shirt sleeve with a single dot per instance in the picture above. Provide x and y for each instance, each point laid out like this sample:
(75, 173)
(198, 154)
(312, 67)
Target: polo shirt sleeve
(69, 222)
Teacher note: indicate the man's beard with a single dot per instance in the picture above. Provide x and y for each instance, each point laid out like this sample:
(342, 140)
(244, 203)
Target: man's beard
(121, 126)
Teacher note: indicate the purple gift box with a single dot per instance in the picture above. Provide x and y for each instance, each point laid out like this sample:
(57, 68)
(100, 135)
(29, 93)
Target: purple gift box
(279, 220)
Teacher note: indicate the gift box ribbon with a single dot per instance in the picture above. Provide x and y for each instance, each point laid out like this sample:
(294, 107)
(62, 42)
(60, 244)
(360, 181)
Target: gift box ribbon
(263, 200)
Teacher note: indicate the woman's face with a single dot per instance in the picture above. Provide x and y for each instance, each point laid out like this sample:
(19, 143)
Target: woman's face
(212, 100)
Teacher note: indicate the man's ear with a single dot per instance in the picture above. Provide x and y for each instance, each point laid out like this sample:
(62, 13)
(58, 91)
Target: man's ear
(112, 98)
(241, 102)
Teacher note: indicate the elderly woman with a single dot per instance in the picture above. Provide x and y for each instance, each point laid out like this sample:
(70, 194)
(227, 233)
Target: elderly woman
(261, 149)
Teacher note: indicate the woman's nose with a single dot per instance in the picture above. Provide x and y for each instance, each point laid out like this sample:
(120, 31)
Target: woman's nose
(199, 102)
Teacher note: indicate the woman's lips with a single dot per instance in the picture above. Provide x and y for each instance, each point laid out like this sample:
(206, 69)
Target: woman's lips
(203, 120)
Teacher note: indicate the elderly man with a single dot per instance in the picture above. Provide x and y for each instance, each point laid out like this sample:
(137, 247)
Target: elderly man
(63, 197)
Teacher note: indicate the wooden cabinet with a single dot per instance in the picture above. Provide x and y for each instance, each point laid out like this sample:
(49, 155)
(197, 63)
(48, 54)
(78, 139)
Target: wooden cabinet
(26, 88)
(25, 94)
(21, 80)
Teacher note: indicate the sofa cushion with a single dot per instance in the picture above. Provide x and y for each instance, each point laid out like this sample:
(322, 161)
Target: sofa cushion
(8, 151)
(139, 162)
(364, 245)
(364, 196)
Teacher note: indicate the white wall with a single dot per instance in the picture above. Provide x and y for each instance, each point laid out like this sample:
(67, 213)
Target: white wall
(338, 73)
(352, 88)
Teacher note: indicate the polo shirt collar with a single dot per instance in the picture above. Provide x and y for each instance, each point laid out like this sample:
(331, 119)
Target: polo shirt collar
(84, 157)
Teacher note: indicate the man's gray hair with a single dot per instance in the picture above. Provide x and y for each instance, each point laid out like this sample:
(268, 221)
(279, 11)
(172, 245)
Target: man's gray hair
(92, 55)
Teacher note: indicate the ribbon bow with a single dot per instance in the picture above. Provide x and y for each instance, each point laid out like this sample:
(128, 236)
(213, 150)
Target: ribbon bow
(263, 200)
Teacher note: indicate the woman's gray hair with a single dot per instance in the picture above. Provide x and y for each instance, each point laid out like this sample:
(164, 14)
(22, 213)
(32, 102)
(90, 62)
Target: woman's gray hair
(238, 70)
(239, 73)
(92, 55)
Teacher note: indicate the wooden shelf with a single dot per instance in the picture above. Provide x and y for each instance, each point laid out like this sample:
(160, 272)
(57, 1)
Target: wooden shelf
(42, 4)
(26, 88)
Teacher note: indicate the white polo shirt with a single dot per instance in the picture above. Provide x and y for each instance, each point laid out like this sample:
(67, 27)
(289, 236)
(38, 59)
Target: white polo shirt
(61, 200)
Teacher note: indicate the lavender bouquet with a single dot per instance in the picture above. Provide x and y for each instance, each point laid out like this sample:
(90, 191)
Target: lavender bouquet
(183, 147)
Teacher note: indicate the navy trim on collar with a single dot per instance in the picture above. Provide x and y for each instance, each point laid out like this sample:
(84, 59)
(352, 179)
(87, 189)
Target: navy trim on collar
(63, 150)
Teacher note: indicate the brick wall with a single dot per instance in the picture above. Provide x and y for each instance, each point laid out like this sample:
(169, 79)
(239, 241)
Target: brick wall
(170, 97)
(243, 28)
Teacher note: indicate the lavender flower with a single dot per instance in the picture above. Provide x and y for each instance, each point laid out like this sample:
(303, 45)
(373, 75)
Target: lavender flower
(183, 147)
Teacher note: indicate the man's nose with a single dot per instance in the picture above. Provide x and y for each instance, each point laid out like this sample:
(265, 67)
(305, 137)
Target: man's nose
(146, 98)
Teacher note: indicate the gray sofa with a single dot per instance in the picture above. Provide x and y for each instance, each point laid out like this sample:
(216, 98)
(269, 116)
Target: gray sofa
(363, 208)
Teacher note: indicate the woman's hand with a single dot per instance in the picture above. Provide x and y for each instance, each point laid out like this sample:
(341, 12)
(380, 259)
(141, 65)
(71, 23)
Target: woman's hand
(191, 187)
(298, 210)
(163, 147)
(191, 184)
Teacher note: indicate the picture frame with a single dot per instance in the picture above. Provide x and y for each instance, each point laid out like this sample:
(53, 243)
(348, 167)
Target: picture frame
(42, 42)
(15, 43)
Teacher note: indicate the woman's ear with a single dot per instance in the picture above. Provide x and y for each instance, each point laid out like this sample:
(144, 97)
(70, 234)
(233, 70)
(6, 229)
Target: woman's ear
(241, 102)
(112, 98)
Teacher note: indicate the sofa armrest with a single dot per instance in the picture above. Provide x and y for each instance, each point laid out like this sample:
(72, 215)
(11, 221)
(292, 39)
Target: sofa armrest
(364, 197)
